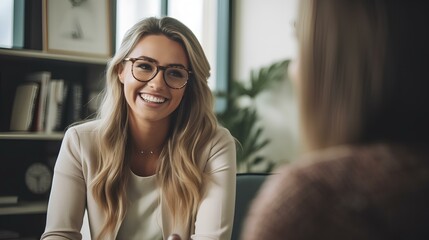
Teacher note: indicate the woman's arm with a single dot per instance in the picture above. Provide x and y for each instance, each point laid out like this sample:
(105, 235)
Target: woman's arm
(215, 216)
(67, 199)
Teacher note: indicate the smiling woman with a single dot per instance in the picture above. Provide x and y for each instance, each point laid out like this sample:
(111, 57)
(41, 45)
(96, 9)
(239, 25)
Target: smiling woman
(151, 98)
(155, 161)
(209, 20)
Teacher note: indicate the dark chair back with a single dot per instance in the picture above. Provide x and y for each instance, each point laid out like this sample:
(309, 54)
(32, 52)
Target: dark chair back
(248, 185)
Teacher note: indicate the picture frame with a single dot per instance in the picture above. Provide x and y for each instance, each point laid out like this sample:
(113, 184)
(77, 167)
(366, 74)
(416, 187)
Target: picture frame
(77, 27)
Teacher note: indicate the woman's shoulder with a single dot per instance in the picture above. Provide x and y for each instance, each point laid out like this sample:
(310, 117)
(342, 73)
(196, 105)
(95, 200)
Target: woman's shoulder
(86, 129)
(336, 185)
(221, 138)
(374, 157)
(346, 170)
(85, 126)
(223, 133)
(329, 162)
(369, 168)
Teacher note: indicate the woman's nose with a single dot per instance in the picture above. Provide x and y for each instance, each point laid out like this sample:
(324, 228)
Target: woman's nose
(158, 81)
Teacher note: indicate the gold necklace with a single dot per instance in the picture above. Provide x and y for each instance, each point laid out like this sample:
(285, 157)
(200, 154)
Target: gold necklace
(142, 152)
(148, 154)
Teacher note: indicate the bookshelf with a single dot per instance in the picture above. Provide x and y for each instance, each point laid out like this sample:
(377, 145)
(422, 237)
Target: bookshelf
(31, 136)
(23, 208)
(36, 54)
(17, 64)
(20, 149)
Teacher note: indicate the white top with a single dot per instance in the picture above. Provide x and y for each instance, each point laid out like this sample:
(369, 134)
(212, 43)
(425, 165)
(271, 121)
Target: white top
(143, 217)
(75, 170)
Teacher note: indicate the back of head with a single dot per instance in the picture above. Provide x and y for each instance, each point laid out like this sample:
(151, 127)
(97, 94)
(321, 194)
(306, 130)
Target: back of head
(363, 74)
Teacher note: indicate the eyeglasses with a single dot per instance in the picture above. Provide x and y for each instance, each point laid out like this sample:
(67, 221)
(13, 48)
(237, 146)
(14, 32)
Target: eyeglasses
(143, 70)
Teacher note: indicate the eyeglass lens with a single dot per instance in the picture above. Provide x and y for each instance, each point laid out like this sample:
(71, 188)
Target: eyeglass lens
(175, 77)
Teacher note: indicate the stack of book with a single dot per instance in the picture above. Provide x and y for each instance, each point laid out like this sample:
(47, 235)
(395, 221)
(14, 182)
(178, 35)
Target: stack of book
(44, 104)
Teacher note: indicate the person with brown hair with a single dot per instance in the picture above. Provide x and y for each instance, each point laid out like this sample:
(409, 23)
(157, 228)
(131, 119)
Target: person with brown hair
(363, 85)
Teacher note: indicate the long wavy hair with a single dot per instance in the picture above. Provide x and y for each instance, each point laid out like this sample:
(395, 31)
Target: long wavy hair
(362, 75)
(194, 123)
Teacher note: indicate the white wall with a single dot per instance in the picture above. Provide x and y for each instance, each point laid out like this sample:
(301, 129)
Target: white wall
(263, 34)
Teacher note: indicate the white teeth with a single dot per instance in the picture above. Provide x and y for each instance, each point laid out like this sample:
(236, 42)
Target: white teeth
(150, 98)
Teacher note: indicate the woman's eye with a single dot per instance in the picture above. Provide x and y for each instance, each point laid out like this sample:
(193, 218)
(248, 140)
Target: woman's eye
(144, 66)
(175, 73)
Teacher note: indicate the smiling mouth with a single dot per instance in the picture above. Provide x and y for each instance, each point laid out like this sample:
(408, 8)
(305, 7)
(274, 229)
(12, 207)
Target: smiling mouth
(152, 99)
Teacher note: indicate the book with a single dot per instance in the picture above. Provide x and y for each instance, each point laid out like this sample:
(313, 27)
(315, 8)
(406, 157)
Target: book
(77, 93)
(24, 106)
(55, 105)
(42, 78)
(73, 104)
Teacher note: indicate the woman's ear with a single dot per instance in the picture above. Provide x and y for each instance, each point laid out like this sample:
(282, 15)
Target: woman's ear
(120, 70)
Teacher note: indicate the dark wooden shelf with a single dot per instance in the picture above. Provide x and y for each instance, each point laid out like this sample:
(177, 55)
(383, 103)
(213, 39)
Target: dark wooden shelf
(36, 54)
(31, 136)
(24, 208)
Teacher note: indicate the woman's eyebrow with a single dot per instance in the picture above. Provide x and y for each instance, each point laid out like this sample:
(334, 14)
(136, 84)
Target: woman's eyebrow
(176, 65)
(149, 59)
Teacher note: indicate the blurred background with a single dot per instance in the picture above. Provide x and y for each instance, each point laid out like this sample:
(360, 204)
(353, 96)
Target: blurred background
(63, 46)
(248, 43)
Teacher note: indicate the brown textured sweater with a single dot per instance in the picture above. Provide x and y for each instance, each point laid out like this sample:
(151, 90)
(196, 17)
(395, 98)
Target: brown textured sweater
(349, 192)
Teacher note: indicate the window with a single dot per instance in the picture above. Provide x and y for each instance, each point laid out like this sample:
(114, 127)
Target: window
(208, 19)
(12, 23)
(129, 12)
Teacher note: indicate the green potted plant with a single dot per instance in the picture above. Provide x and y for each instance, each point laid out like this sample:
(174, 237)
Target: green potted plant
(242, 120)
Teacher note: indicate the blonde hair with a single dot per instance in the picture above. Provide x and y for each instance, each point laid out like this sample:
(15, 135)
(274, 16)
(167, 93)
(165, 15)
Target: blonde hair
(194, 123)
(356, 59)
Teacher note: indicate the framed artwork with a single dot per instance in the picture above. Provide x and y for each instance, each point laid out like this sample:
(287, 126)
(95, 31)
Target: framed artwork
(77, 27)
